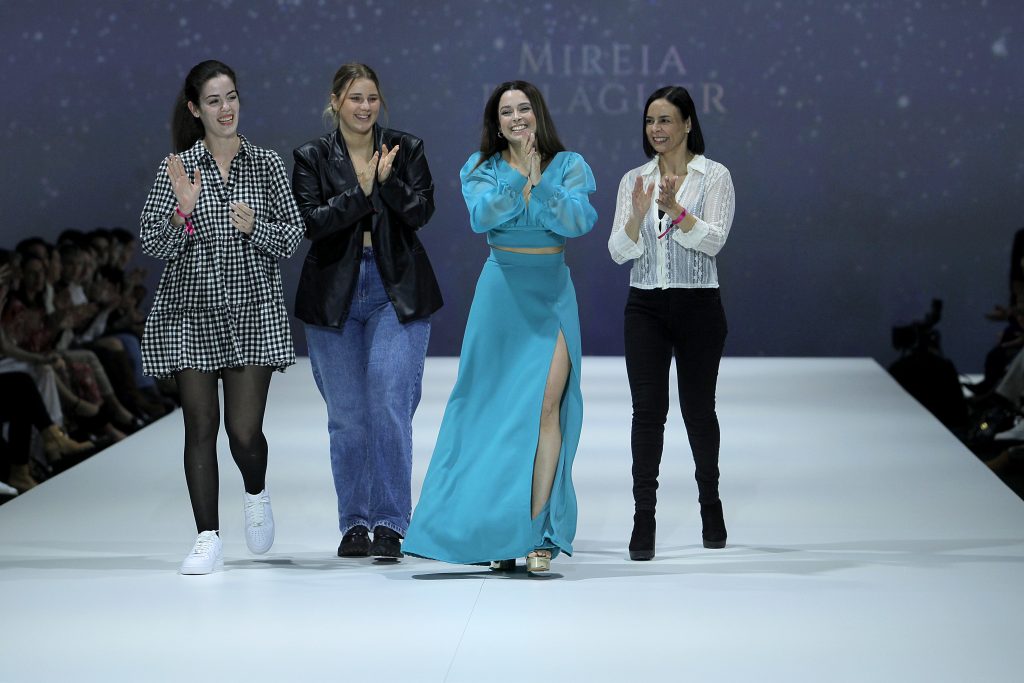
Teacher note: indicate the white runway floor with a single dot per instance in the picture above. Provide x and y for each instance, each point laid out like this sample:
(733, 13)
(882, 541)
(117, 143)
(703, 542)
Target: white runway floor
(865, 544)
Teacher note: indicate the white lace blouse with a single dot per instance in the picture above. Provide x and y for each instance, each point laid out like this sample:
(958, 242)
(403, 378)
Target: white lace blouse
(682, 260)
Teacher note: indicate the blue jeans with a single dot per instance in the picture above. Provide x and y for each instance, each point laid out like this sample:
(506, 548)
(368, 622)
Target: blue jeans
(370, 374)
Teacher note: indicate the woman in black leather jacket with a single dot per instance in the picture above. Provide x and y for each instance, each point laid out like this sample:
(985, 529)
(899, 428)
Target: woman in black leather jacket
(366, 294)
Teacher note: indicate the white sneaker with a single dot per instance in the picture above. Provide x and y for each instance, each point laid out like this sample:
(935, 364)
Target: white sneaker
(207, 554)
(259, 522)
(1014, 433)
(6, 490)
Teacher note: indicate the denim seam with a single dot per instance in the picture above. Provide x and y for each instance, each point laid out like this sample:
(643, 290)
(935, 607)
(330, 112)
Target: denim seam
(350, 527)
(390, 525)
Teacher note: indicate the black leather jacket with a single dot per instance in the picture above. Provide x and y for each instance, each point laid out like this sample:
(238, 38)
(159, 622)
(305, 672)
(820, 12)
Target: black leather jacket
(336, 212)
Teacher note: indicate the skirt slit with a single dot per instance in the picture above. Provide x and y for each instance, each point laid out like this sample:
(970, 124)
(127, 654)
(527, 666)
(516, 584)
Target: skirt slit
(475, 503)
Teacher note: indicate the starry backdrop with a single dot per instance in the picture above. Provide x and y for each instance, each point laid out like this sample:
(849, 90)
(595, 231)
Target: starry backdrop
(876, 147)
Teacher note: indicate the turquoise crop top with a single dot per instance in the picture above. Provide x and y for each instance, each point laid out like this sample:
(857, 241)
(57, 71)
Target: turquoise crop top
(559, 205)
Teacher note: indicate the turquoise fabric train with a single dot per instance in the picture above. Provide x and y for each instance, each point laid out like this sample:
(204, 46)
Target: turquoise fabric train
(475, 502)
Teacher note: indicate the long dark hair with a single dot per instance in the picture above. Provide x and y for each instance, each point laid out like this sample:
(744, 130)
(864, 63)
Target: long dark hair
(678, 96)
(491, 143)
(186, 129)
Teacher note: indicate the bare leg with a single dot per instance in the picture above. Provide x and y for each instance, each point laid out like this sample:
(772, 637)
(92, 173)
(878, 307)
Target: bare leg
(549, 443)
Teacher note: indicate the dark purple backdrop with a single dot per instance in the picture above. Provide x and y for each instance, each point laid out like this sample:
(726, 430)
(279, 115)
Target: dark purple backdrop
(876, 148)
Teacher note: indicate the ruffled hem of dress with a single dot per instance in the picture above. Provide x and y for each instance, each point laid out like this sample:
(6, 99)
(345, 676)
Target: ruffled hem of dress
(164, 373)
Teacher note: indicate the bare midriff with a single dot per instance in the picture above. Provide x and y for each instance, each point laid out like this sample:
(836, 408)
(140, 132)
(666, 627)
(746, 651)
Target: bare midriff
(367, 242)
(530, 250)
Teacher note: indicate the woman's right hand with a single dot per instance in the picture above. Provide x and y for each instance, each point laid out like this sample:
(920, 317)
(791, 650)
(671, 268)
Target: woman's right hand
(186, 189)
(641, 199)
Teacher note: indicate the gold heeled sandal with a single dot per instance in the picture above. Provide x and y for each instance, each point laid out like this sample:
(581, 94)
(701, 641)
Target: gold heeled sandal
(535, 562)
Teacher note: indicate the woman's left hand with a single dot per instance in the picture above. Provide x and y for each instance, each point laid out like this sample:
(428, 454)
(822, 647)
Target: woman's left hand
(666, 200)
(242, 217)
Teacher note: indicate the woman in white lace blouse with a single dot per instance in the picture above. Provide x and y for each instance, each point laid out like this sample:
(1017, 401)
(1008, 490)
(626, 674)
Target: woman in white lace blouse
(672, 217)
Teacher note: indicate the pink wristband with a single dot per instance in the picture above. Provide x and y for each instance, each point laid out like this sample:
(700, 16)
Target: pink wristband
(188, 220)
(674, 223)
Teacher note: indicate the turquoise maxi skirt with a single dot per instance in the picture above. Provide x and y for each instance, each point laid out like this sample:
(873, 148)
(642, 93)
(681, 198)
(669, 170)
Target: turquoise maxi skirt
(475, 502)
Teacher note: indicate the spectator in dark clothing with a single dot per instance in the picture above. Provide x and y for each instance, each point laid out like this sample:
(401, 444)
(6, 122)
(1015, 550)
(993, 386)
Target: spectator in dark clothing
(1011, 339)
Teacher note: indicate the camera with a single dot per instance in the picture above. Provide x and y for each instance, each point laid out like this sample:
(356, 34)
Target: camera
(919, 335)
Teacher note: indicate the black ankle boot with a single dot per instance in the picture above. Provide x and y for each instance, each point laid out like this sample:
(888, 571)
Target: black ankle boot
(641, 543)
(714, 524)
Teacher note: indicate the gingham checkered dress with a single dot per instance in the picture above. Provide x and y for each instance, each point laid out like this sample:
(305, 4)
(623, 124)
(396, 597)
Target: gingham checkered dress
(220, 302)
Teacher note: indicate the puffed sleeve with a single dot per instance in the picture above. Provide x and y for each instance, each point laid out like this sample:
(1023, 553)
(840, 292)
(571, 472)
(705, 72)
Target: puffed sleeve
(158, 236)
(565, 197)
(493, 193)
(324, 216)
(409, 190)
(708, 235)
(280, 232)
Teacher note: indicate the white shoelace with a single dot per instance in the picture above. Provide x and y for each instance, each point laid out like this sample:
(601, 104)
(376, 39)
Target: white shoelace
(254, 509)
(203, 544)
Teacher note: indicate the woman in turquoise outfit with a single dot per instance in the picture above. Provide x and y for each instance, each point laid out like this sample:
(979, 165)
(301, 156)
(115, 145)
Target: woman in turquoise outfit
(499, 483)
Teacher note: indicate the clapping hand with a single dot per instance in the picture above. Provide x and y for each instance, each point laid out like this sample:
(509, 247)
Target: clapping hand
(365, 177)
(532, 160)
(186, 189)
(641, 198)
(386, 162)
(667, 196)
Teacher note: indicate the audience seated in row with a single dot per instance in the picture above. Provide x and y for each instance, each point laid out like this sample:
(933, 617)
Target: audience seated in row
(70, 326)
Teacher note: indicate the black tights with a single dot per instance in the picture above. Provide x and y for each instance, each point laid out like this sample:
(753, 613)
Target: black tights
(245, 401)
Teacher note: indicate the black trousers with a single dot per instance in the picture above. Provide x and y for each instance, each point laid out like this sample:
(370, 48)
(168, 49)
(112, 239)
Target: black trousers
(688, 324)
(23, 408)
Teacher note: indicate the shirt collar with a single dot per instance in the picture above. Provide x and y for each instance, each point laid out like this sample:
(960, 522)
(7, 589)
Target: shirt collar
(698, 163)
(244, 148)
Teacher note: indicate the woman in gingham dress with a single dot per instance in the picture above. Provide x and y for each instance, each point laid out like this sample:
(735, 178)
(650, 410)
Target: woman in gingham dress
(221, 213)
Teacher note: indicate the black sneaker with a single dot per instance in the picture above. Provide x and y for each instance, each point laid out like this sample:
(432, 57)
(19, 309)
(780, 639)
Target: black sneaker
(387, 544)
(355, 543)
